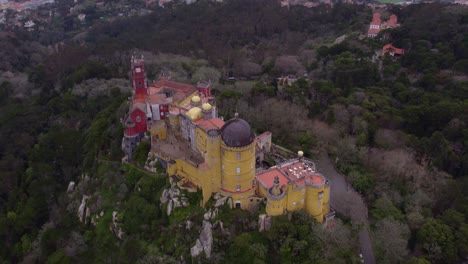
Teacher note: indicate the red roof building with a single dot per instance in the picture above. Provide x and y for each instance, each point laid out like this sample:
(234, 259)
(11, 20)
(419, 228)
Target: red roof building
(392, 51)
(376, 24)
(391, 22)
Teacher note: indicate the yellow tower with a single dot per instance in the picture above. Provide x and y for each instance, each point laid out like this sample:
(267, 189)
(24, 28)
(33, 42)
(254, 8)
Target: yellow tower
(275, 199)
(238, 161)
(213, 158)
(317, 193)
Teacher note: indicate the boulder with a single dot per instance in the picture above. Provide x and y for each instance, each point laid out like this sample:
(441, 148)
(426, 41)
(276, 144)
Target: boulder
(188, 225)
(169, 207)
(197, 249)
(71, 187)
(206, 238)
(264, 223)
(83, 210)
(221, 201)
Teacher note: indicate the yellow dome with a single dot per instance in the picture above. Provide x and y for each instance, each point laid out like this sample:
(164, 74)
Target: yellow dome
(206, 106)
(194, 113)
(300, 153)
(196, 99)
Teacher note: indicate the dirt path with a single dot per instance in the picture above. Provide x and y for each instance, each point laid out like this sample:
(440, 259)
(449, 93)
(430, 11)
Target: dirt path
(345, 200)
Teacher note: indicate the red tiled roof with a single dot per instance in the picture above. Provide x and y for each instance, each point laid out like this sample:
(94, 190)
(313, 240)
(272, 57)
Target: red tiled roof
(209, 124)
(159, 99)
(392, 22)
(139, 98)
(266, 178)
(180, 87)
(389, 48)
(181, 90)
(373, 31)
(130, 131)
(376, 19)
(315, 179)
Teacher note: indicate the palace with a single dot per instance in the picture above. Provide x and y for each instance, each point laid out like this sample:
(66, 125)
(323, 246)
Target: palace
(199, 150)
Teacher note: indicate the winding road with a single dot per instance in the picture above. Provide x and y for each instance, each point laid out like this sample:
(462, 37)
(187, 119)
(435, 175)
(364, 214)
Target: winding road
(345, 200)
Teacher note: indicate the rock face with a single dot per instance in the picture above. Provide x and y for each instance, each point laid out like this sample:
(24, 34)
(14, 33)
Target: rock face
(173, 198)
(264, 222)
(71, 187)
(115, 226)
(204, 242)
(220, 200)
(83, 210)
(197, 249)
(210, 214)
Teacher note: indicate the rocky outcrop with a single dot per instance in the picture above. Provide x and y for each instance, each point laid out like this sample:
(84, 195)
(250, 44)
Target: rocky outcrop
(210, 214)
(264, 222)
(204, 242)
(71, 187)
(83, 210)
(220, 200)
(196, 250)
(115, 226)
(173, 198)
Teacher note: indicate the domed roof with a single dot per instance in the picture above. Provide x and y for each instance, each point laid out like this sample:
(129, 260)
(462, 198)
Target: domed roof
(206, 106)
(237, 133)
(196, 99)
(194, 113)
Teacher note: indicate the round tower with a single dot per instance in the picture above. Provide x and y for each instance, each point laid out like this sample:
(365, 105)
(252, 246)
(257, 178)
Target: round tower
(238, 161)
(213, 158)
(275, 199)
(315, 196)
(207, 111)
(195, 101)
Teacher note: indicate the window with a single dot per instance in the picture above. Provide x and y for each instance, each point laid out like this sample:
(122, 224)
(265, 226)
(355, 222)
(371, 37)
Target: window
(137, 70)
(238, 177)
(294, 204)
(251, 165)
(238, 156)
(238, 188)
(302, 201)
(138, 119)
(237, 170)
(222, 166)
(139, 84)
(303, 191)
(320, 195)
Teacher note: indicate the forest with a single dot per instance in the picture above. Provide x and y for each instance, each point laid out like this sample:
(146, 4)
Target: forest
(397, 128)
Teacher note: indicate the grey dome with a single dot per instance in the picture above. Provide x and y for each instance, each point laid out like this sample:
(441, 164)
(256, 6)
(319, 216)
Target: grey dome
(237, 133)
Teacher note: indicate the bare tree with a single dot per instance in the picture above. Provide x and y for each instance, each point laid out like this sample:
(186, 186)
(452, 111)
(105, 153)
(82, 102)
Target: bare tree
(391, 239)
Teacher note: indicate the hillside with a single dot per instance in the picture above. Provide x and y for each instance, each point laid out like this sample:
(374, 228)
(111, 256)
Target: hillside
(395, 127)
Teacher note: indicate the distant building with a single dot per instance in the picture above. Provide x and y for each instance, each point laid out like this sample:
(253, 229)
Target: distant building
(392, 51)
(29, 25)
(286, 80)
(376, 24)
